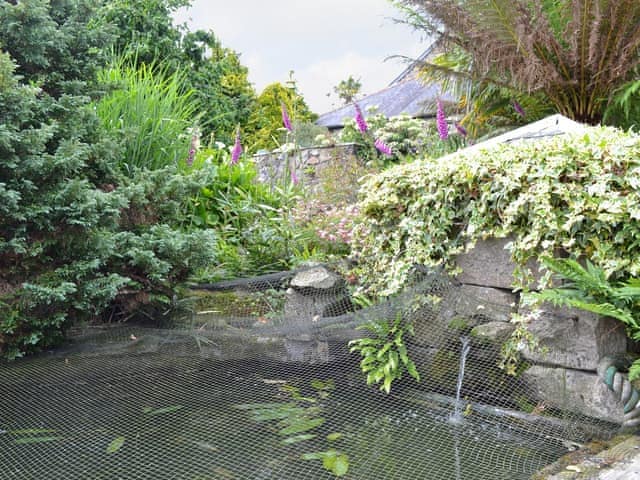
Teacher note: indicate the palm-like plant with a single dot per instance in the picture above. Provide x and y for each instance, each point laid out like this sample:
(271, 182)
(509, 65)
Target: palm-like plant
(575, 52)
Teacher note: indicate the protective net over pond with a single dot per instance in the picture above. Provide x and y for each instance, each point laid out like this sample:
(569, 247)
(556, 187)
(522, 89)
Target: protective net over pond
(258, 383)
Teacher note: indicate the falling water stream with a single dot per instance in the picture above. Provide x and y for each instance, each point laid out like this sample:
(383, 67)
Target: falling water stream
(456, 417)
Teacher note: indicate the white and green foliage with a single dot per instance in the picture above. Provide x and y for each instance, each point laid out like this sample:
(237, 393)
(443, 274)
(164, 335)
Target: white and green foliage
(590, 288)
(578, 193)
(384, 354)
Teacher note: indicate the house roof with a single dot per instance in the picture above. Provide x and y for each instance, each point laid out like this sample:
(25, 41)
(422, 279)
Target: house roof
(409, 96)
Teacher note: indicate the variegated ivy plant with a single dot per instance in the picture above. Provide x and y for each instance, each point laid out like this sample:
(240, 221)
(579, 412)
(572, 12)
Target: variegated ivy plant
(577, 193)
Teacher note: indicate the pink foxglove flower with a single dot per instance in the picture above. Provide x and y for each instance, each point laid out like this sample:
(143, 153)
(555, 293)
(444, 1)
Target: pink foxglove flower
(193, 149)
(294, 177)
(441, 121)
(518, 108)
(461, 130)
(191, 157)
(237, 149)
(286, 121)
(383, 147)
(360, 121)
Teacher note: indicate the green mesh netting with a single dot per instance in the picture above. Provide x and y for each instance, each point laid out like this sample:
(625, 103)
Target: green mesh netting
(258, 383)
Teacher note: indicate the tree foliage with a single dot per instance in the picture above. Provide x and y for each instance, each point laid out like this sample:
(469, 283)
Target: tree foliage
(347, 90)
(76, 238)
(574, 52)
(145, 34)
(265, 129)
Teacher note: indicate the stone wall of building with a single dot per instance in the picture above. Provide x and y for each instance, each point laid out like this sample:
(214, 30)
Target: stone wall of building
(306, 163)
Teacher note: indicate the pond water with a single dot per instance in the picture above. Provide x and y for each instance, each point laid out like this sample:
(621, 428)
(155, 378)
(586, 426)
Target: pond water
(160, 416)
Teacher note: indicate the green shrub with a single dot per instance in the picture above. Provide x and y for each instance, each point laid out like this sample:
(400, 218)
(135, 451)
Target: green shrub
(578, 193)
(255, 232)
(77, 239)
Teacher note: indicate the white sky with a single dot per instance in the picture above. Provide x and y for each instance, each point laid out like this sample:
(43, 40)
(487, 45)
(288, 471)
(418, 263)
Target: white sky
(322, 41)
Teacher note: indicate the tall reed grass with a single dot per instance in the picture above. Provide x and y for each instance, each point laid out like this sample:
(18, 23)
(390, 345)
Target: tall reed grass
(152, 113)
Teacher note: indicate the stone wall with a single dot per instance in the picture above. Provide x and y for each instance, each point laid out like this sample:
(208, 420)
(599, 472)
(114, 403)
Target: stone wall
(307, 163)
(573, 343)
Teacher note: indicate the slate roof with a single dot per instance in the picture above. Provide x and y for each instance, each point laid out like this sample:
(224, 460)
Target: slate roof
(409, 96)
(405, 94)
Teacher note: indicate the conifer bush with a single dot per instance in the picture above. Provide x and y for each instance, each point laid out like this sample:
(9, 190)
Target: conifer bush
(77, 239)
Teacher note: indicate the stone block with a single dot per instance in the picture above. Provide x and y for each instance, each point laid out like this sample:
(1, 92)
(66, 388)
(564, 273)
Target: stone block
(574, 338)
(493, 332)
(306, 350)
(317, 278)
(573, 390)
(489, 264)
(489, 303)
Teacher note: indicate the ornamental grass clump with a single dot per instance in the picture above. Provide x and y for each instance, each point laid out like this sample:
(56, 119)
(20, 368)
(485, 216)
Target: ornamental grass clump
(578, 193)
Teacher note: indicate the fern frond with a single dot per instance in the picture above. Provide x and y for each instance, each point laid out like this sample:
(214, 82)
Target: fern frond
(606, 310)
(634, 370)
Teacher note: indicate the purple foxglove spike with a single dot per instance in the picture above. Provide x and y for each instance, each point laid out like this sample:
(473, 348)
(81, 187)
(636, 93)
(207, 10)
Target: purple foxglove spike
(237, 149)
(294, 177)
(286, 121)
(461, 130)
(441, 121)
(360, 121)
(518, 108)
(383, 147)
(191, 157)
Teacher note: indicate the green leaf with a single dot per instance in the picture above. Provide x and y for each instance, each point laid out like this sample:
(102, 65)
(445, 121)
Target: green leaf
(411, 368)
(302, 426)
(298, 438)
(262, 406)
(116, 445)
(28, 440)
(332, 437)
(634, 370)
(340, 465)
(313, 456)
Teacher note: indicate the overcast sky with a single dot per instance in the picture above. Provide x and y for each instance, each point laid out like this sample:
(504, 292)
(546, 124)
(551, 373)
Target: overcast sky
(322, 41)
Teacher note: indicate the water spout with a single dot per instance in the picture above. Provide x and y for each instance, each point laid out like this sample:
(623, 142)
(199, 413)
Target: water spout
(456, 417)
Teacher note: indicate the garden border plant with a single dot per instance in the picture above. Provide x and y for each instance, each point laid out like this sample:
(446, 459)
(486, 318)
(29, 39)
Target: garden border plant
(578, 193)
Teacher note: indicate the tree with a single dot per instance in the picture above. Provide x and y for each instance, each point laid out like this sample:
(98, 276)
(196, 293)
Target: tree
(347, 90)
(145, 33)
(574, 52)
(265, 129)
(76, 238)
(220, 84)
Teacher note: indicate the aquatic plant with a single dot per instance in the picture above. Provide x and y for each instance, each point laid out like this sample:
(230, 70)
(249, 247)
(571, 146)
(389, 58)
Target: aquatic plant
(299, 420)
